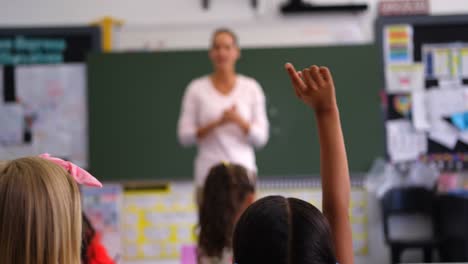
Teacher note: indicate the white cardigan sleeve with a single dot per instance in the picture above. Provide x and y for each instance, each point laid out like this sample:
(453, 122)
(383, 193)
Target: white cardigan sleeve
(259, 127)
(187, 125)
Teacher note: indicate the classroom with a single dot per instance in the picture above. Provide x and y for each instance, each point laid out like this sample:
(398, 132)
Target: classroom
(228, 131)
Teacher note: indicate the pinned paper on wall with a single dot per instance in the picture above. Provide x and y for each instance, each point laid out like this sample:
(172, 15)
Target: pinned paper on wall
(398, 41)
(404, 143)
(445, 61)
(455, 62)
(52, 99)
(441, 58)
(445, 102)
(103, 207)
(158, 221)
(404, 78)
(436, 60)
(12, 124)
(464, 61)
(463, 137)
(465, 96)
(419, 112)
(444, 134)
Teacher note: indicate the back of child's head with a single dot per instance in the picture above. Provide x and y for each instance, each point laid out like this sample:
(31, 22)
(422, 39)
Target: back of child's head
(278, 230)
(226, 190)
(40, 213)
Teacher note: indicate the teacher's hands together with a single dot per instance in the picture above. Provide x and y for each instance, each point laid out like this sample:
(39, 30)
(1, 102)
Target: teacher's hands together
(231, 115)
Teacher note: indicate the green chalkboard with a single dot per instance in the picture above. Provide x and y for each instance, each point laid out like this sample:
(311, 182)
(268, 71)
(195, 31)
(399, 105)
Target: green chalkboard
(134, 104)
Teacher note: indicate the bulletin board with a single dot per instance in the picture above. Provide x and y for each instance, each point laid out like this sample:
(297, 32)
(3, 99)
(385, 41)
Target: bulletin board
(43, 91)
(424, 64)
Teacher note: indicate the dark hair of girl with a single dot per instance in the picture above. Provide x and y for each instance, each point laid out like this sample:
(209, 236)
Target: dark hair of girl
(279, 230)
(226, 188)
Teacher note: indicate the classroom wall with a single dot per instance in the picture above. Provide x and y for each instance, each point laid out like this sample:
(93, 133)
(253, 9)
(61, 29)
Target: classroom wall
(141, 12)
(183, 24)
(264, 27)
(46, 12)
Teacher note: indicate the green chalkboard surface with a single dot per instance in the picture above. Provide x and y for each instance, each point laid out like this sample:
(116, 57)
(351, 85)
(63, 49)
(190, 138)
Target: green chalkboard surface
(134, 104)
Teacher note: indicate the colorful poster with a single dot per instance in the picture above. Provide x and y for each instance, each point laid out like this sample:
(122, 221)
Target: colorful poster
(398, 44)
(150, 223)
(103, 207)
(158, 222)
(445, 61)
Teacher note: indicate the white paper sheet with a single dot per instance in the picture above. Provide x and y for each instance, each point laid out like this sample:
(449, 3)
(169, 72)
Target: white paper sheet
(464, 62)
(17, 151)
(463, 137)
(403, 142)
(465, 96)
(450, 83)
(419, 111)
(11, 124)
(441, 62)
(444, 102)
(455, 68)
(444, 133)
(52, 135)
(404, 77)
(55, 95)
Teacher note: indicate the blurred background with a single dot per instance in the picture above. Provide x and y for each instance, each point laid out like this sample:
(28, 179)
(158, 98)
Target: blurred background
(100, 83)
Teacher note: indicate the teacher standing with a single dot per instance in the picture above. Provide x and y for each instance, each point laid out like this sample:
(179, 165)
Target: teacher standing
(223, 113)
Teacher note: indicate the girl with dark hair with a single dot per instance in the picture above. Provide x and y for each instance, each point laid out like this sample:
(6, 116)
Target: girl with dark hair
(228, 191)
(278, 230)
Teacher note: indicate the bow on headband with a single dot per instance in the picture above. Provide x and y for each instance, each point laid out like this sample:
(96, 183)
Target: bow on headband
(80, 175)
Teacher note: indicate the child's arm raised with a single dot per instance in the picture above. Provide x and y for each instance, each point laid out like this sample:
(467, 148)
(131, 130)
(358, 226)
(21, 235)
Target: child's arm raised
(314, 86)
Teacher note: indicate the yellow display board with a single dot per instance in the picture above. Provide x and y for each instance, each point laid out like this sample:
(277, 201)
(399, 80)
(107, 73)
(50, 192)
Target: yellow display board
(157, 222)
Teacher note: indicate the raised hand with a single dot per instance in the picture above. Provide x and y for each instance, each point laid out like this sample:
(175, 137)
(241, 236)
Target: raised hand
(314, 86)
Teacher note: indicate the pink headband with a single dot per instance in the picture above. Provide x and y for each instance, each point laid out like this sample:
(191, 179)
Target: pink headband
(80, 175)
